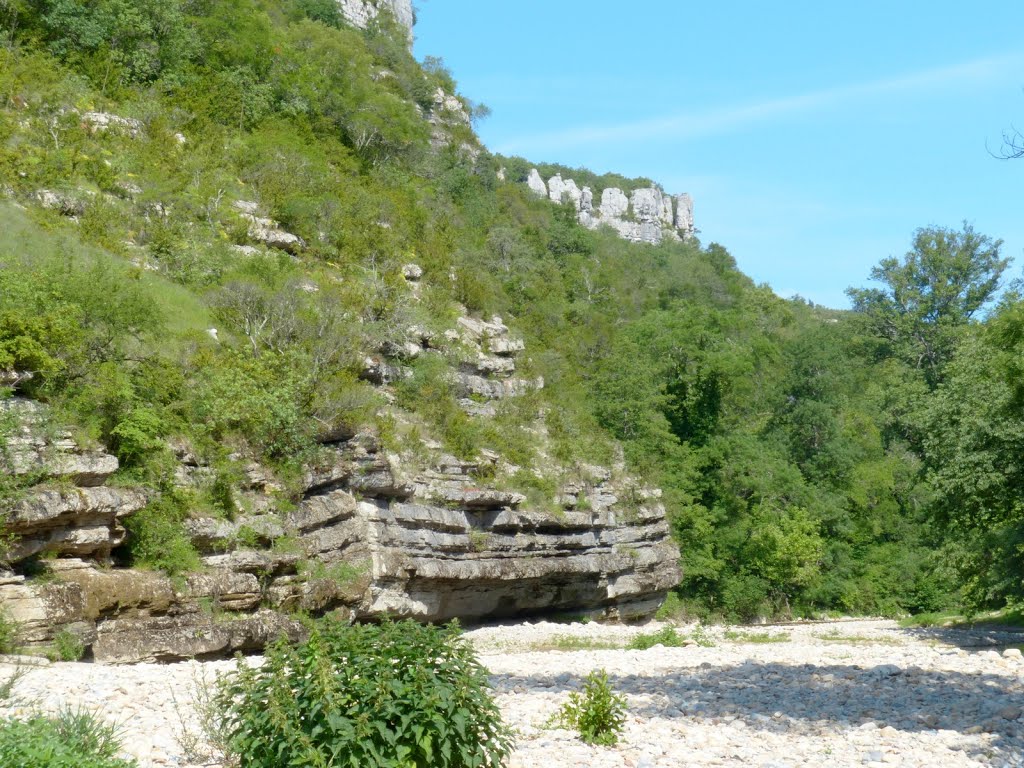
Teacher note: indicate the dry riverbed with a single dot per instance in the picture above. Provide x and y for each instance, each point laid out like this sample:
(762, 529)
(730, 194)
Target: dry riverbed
(850, 693)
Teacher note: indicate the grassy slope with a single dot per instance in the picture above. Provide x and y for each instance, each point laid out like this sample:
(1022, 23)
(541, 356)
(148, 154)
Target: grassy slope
(764, 420)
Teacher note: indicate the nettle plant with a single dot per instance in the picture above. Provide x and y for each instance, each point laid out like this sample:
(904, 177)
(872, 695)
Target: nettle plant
(597, 712)
(393, 695)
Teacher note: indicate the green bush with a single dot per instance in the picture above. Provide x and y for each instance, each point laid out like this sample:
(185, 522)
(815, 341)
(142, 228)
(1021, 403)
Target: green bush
(67, 646)
(71, 739)
(8, 633)
(395, 694)
(158, 540)
(598, 713)
(666, 636)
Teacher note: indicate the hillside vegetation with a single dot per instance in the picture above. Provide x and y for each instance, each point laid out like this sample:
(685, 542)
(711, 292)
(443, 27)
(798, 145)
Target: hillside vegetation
(811, 460)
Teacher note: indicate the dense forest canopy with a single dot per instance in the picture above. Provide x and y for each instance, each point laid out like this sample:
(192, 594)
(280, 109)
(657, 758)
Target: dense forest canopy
(865, 461)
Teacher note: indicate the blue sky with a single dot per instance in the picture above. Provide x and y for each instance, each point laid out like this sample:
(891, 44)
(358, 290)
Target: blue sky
(815, 137)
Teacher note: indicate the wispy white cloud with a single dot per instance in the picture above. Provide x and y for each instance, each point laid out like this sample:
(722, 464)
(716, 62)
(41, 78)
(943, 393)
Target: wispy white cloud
(719, 120)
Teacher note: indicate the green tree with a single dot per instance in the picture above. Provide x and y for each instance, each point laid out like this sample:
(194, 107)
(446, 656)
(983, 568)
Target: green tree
(974, 450)
(938, 287)
(122, 40)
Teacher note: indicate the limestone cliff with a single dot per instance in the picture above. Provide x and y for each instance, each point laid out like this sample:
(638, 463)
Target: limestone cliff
(360, 13)
(410, 531)
(647, 215)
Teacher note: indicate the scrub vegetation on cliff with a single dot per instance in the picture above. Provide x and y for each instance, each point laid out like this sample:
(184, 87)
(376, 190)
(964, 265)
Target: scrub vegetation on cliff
(264, 170)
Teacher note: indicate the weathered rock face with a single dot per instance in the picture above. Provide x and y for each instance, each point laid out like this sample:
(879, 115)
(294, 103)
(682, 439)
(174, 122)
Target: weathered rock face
(487, 374)
(75, 517)
(446, 115)
(684, 213)
(360, 13)
(427, 536)
(484, 557)
(646, 216)
(536, 183)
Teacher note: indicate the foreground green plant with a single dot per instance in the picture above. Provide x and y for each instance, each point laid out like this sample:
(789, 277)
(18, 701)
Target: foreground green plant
(394, 694)
(598, 713)
(71, 739)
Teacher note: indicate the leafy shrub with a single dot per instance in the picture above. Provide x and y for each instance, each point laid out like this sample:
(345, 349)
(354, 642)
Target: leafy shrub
(672, 608)
(429, 392)
(67, 646)
(598, 713)
(138, 40)
(666, 636)
(157, 538)
(259, 398)
(138, 434)
(397, 694)
(8, 633)
(71, 739)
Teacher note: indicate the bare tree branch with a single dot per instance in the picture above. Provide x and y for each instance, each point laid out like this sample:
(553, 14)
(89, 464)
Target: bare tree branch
(1013, 145)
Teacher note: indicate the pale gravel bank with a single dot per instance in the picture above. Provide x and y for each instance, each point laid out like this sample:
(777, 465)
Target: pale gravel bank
(855, 693)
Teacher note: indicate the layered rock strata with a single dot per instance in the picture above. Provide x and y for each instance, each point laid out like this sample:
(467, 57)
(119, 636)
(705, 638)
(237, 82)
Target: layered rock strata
(647, 215)
(427, 536)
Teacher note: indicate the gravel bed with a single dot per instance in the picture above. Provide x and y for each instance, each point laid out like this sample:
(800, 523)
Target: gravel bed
(847, 693)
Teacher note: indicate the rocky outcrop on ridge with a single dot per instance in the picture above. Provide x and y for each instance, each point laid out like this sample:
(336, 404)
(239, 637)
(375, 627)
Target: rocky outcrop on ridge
(359, 13)
(647, 215)
(416, 533)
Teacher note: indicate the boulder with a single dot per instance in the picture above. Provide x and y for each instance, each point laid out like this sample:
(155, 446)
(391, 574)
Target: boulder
(42, 610)
(667, 215)
(647, 215)
(99, 122)
(467, 384)
(33, 448)
(267, 231)
(587, 200)
(189, 636)
(225, 589)
(259, 563)
(473, 498)
(107, 591)
(14, 379)
(64, 203)
(212, 535)
(321, 510)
